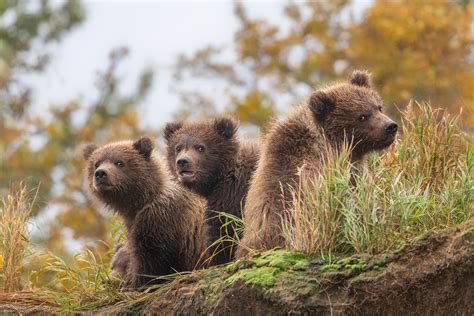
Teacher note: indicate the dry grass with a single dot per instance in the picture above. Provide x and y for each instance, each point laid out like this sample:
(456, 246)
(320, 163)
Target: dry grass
(14, 214)
(25, 301)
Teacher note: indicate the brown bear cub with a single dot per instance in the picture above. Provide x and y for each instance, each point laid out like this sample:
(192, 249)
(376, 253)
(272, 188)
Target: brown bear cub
(348, 112)
(165, 223)
(207, 158)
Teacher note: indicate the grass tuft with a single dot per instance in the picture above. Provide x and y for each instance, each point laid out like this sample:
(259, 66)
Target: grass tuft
(423, 182)
(227, 239)
(15, 211)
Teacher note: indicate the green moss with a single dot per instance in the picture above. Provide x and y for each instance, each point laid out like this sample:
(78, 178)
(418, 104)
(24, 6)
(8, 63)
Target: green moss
(300, 266)
(239, 264)
(282, 259)
(234, 266)
(356, 265)
(263, 269)
(381, 262)
(261, 276)
(330, 267)
(295, 285)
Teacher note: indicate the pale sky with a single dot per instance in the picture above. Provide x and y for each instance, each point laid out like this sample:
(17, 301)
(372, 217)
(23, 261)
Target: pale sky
(155, 31)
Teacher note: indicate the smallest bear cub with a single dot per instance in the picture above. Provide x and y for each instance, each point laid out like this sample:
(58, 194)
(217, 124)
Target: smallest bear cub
(165, 224)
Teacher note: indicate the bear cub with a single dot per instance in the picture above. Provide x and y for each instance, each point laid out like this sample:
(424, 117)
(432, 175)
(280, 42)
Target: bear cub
(347, 112)
(165, 225)
(207, 158)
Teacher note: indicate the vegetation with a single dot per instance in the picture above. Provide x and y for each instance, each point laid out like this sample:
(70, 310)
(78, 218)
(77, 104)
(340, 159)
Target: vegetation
(15, 212)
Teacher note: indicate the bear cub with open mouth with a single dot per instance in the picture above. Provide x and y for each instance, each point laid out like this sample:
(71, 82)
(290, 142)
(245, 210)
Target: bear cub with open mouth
(208, 158)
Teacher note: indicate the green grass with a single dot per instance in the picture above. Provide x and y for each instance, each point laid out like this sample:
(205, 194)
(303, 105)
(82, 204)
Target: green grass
(229, 223)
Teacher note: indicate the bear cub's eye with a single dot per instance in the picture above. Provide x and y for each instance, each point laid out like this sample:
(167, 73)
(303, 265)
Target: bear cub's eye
(119, 163)
(178, 149)
(200, 148)
(363, 118)
(380, 109)
(97, 164)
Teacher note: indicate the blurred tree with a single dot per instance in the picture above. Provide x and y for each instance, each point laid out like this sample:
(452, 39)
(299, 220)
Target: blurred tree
(26, 30)
(419, 49)
(268, 62)
(414, 49)
(45, 149)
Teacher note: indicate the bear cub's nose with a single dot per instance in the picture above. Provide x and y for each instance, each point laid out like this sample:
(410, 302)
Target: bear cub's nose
(101, 175)
(391, 128)
(183, 162)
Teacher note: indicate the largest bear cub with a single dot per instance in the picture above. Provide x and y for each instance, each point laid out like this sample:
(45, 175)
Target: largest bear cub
(165, 224)
(207, 158)
(345, 112)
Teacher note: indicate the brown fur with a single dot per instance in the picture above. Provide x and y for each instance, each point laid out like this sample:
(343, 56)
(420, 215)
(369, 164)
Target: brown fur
(165, 224)
(222, 165)
(330, 117)
(120, 261)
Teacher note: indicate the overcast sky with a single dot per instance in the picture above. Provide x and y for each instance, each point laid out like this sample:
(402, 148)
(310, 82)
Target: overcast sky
(155, 31)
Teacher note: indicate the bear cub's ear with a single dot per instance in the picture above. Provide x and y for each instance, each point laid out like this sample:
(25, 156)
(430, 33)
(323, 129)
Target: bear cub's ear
(360, 78)
(170, 129)
(88, 150)
(321, 104)
(144, 146)
(225, 127)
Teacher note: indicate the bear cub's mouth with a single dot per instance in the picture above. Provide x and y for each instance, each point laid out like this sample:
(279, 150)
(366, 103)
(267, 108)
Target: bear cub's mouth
(186, 174)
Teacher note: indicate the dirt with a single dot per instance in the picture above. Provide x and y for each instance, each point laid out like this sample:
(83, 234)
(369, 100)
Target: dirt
(432, 276)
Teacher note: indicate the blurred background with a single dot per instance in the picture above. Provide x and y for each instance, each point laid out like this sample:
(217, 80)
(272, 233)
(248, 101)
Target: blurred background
(73, 72)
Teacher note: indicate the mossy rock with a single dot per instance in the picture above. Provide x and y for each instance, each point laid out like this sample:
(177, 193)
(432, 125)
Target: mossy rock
(280, 282)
